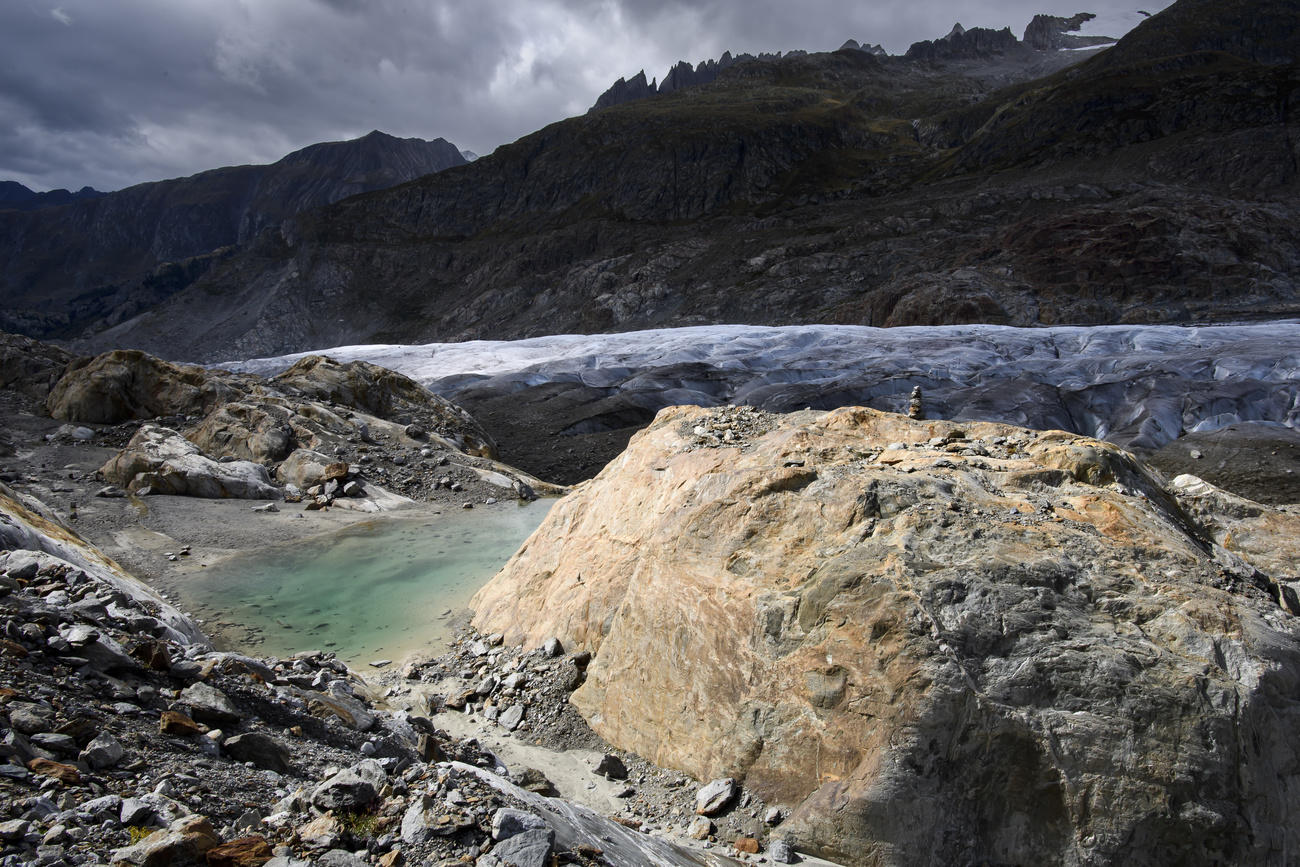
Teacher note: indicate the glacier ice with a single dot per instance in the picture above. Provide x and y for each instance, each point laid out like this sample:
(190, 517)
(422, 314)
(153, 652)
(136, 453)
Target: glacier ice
(1137, 385)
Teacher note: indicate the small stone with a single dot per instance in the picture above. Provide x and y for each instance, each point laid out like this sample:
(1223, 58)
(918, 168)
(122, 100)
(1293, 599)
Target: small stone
(350, 789)
(535, 781)
(173, 722)
(511, 717)
(209, 705)
(103, 752)
(339, 858)
(66, 774)
(320, 833)
(611, 767)
(249, 820)
(748, 845)
(780, 851)
(14, 829)
(416, 823)
(269, 507)
(552, 647)
(184, 841)
(700, 828)
(104, 808)
(713, 797)
(773, 816)
(526, 849)
(507, 822)
(56, 743)
(244, 852)
(30, 718)
(262, 750)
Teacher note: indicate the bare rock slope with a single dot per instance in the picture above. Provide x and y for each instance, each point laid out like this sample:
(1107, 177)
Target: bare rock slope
(936, 642)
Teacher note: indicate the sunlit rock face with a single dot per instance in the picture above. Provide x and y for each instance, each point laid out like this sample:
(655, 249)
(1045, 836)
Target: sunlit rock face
(935, 642)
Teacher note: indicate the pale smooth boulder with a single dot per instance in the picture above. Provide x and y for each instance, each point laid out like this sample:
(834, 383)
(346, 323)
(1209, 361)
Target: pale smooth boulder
(164, 461)
(303, 468)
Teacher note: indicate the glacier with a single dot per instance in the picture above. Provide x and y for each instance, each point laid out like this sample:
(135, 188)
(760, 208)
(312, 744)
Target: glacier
(1137, 385)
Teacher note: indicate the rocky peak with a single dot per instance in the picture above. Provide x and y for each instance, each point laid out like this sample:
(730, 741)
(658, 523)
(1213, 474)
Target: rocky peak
(683, 75)
(377, 151)
(1052, 33)
(16, 196)
(625, 90)
(854, 45)
(961, 43)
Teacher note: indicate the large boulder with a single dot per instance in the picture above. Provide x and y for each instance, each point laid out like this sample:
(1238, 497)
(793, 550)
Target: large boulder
(938, 642)
(386, 394)
(129, 384)
(304, 468)
(165, 462)
(260, 432)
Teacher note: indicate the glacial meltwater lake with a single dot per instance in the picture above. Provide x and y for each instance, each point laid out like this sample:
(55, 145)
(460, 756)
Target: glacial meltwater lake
(377, 589)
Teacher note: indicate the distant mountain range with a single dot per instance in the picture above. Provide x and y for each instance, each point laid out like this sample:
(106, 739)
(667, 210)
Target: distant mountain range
(978, 180)
(1044, 33)
(15, 196)
(98, 258)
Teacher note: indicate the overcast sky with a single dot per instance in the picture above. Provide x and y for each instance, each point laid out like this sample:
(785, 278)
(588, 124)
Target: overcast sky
(114, 92)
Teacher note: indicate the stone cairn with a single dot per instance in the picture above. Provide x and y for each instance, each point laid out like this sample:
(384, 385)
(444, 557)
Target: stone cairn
(914, 409)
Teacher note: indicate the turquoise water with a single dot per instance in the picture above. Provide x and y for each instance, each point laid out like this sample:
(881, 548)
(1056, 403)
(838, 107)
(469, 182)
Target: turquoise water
(380, 589)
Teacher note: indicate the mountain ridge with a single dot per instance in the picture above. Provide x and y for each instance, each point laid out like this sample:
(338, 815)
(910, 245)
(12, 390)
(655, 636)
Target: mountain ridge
(16, 196)
(1130, 187)
(105, 258)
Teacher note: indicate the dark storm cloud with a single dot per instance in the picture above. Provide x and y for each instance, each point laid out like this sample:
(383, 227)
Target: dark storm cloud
(110, 94)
